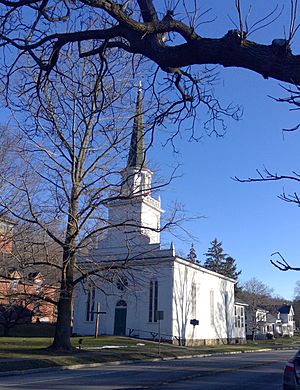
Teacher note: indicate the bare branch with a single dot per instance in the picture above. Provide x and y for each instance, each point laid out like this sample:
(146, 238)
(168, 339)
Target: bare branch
(282, 264)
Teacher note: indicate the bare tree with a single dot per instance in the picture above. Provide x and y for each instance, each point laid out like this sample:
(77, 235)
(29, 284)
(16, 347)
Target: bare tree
(297, 291)
(141, 27)
(22, 298)
(74, 139)
(257, 295)
(165, 39)
(296, 303)
(62, 149)
(14, 312)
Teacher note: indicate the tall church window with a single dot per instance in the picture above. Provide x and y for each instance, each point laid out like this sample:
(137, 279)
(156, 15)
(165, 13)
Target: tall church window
(90, 304)
(153, 300)
(194, 301)
(212, 307)
(226, 300)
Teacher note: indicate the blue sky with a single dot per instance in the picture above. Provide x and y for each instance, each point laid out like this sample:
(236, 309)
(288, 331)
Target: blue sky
(249, 219)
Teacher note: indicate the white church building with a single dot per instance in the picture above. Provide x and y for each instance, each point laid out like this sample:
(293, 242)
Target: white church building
(155, 292)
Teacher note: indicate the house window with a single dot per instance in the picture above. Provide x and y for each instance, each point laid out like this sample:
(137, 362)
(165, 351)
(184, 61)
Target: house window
(14, 284)
(36, 307)
(235, 316)
(242, 317)
(238, 321)
(239, 317)
(212, 307)
(38, 286)
(153, 300)
(90, 304)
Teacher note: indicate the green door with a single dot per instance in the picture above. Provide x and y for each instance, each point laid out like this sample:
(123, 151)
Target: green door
(120, 319)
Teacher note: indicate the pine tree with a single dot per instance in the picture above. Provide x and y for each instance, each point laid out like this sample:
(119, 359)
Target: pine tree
(220, 262)
(215, 257)
(192, 255)
(230, 268)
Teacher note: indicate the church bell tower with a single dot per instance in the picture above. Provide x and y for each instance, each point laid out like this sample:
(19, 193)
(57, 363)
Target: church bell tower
(135, 217)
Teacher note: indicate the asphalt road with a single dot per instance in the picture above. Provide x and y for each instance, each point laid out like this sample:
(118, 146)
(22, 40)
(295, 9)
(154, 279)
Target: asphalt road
(246, 371)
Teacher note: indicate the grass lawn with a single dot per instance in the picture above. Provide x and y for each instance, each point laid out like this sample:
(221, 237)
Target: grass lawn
(19, 353)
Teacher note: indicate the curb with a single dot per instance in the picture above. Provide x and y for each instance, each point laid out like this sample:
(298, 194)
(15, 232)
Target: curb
(119, 362)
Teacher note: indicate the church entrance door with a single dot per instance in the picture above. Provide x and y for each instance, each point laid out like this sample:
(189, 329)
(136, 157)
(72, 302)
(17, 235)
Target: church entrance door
(120, 318)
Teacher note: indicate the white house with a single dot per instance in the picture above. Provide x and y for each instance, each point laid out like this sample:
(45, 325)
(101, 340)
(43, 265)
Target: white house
(240, 325)
(285, 324)
(259, 323)
(262, 324)
(155, 291)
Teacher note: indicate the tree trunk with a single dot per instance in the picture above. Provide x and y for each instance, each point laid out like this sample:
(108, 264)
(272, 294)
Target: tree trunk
(62, 336)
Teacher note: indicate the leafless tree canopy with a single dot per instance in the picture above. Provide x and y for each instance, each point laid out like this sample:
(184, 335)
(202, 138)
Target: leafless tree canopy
(162, 37)
(73, 141)
(42, 28)
(66, 70)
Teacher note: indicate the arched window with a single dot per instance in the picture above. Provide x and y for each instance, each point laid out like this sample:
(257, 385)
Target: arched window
(121, 303)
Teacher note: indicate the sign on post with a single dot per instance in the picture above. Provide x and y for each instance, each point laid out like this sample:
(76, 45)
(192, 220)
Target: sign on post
(159, 317)
(194, 322)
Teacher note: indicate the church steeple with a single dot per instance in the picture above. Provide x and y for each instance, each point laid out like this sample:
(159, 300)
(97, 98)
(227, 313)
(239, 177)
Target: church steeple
(136, 157)
(136, 214)
(136, 176)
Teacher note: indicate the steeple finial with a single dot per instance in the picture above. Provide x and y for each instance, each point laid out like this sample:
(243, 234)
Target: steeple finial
(136, 158)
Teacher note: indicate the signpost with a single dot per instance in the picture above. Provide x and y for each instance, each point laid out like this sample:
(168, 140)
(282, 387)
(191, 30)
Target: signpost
(159, 317)
(194, 322)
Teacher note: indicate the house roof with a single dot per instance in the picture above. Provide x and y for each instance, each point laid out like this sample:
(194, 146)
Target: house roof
(285, 309)
(238, 301)
(261, 310)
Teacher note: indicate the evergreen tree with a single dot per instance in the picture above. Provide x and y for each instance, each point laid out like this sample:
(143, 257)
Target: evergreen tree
(192, 256)
(215, 257)
(220, 262)
(230, 268)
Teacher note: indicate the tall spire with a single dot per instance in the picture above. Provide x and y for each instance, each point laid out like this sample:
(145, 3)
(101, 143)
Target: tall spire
(137, 158)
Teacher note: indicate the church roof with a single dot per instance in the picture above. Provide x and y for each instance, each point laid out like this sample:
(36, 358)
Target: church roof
(136, 158)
